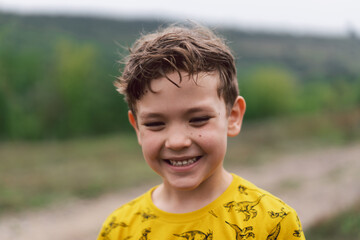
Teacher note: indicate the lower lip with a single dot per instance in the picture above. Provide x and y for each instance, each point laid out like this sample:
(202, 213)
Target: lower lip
(184, 168)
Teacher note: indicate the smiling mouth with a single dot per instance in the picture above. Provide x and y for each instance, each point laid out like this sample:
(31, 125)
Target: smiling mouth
(183, 163)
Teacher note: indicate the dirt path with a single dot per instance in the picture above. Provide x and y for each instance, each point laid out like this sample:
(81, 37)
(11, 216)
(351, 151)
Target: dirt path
(317, 184)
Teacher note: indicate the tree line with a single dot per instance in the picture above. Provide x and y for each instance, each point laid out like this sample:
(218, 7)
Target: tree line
(56, 74)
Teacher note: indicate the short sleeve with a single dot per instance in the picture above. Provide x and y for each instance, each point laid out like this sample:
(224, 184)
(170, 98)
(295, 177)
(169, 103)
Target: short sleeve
(110, 229)
(288, 228)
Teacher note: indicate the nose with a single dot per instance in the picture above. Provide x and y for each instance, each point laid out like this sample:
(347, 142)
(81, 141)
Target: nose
(177, 139)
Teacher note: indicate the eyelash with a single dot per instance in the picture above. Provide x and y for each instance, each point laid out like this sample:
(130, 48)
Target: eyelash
(199, 120)
(154, 124)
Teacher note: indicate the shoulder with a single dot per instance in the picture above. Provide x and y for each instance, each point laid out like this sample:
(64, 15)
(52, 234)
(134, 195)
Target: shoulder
(119, 220)
(259, 207)
(247, 196)
(131, 208)
(249, 191)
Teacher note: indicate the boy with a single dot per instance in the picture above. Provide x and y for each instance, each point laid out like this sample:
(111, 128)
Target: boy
(181, 87)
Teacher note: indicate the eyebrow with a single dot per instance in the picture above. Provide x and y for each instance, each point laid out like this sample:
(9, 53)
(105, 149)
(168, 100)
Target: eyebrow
(150, 115)
(199, 109)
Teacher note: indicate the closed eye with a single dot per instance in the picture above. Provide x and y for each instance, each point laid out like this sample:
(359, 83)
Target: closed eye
(198, 121)
(154, 125)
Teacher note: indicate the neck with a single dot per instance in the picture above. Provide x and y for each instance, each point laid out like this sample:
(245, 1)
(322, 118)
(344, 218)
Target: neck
(173, 200)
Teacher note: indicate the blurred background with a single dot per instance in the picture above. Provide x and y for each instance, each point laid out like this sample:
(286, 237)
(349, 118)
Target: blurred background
(64, 133)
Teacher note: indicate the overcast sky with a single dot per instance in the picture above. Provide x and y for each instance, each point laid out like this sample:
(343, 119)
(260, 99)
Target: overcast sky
(314, 16)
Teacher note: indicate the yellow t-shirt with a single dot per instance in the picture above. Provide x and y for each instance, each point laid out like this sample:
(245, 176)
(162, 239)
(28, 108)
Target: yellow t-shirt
(243, 211)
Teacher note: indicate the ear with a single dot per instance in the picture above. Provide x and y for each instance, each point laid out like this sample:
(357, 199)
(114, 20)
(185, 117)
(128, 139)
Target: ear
(133, 123)
(236, 116)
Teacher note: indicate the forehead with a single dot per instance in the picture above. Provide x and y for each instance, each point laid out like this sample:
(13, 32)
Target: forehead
(170, 92)
(184, 80)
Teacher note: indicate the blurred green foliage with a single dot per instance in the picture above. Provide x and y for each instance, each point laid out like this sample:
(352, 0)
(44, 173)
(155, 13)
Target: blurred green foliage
(269, 91)
(56, 74)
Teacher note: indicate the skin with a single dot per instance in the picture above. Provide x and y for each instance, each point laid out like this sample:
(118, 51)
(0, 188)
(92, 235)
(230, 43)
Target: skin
(178, 124)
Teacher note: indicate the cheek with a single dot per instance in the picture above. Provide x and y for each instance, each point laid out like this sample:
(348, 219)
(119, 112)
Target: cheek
(213, 138)
(151, 145)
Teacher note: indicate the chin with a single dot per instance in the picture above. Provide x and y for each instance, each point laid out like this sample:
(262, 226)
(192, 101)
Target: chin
(184, 183)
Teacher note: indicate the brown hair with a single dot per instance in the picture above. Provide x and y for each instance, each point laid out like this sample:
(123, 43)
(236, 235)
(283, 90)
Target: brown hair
(192, 49)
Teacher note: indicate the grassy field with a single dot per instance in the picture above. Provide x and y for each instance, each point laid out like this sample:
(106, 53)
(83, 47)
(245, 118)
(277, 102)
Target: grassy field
(35, 174)
(343, 226)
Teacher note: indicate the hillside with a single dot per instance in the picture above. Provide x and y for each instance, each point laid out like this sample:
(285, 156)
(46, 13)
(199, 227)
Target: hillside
(307, 55)
(56, 73)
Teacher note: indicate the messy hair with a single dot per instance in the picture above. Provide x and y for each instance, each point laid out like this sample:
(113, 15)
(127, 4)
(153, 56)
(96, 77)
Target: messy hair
(193, 50)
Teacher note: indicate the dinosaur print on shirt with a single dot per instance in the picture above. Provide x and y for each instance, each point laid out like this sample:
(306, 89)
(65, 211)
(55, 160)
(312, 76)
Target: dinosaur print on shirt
(280, 214)
(274, 233)
(145, 233)
(242, 233)
(245, 207)
(196, 235)
(112, 225)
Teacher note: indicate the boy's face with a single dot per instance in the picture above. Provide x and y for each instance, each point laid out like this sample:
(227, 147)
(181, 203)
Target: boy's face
(183, 131)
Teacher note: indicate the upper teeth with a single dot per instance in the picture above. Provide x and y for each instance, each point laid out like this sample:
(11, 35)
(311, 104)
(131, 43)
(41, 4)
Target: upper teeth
(183, 162)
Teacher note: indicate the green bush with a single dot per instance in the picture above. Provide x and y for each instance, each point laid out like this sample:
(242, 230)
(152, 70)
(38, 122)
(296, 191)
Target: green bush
(269, 91)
